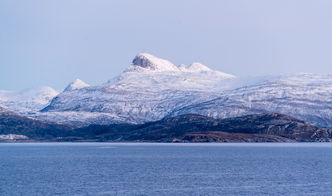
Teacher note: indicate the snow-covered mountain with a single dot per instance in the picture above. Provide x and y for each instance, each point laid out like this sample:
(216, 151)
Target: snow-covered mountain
(305, 96)
(150, 72)
(152, 88)
(147, 90)
(27, 101)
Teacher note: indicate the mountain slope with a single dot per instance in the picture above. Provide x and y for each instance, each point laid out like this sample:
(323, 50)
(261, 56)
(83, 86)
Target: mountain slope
(184, 128)
(12, 124)
(27, 101)
(305, 96)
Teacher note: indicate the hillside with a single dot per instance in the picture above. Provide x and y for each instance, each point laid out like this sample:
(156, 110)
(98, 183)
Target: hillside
(196, 128)
(31, 129)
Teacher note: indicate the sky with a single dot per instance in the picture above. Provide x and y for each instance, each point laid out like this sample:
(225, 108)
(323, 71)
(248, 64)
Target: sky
(51, 43)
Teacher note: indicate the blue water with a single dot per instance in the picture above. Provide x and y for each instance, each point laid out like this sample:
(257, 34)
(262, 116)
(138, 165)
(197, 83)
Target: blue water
(165, 169)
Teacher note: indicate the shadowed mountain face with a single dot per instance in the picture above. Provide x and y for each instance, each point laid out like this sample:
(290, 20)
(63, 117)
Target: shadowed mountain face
(12, 123)
(196, 128)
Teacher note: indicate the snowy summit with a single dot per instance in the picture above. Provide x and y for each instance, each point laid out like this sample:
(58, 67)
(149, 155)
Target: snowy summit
(151, 62)
(76, 84)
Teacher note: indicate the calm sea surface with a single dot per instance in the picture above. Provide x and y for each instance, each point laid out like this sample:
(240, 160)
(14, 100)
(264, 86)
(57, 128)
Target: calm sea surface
(101, 169)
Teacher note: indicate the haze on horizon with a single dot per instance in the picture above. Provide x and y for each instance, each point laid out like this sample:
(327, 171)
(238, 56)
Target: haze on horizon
(54, 42)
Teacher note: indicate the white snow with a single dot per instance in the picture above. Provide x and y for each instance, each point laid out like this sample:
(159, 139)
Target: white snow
(13, 137)
(194, 67)
(305, 96)
(79, 118)
(76, 84)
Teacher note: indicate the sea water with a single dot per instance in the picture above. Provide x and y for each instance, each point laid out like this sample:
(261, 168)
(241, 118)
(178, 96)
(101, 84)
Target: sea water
(101, 169)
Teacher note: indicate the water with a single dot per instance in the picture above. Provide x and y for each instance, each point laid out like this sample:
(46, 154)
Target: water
(101, 169)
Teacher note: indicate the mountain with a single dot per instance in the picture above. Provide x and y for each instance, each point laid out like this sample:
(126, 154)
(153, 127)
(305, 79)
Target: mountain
(197, 128)
(27, 101)
(305, 96)
(147, 90)
(14, 126)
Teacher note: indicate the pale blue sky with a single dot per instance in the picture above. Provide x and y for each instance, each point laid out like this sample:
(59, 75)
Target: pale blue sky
(46, 42)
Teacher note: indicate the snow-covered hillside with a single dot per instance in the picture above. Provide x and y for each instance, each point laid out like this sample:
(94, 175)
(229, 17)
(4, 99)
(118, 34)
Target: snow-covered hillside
(27, 101)
(306, 96)
(147, 90)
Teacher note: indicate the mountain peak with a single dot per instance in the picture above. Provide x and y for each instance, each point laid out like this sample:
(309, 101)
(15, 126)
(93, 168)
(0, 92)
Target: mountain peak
(151, 62)
(76, 84)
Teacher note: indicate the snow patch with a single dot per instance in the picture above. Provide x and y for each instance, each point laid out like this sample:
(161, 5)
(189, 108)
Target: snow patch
(13, 137)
